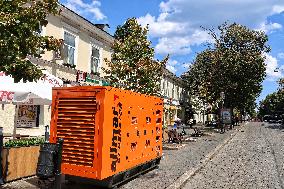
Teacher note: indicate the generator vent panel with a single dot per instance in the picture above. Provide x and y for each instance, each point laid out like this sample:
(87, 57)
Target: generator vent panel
(76, 125)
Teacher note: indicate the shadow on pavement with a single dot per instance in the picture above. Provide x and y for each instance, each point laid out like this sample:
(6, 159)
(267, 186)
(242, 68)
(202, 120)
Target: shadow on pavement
(275, 126)
(32, 183)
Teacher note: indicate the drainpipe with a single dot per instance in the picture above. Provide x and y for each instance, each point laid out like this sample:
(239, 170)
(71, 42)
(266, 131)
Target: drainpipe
(1, 148)
(46, 134)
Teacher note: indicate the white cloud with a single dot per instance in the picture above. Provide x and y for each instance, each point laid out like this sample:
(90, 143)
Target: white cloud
(171, 68)
(172, 62)
(159, 27)
(277, 9)
(176, 67)
(272, 71)
(173, 45)
(171, 65)
(269, 27)
(280, 55)
(90, 10)
(180, 45)
(179, 21)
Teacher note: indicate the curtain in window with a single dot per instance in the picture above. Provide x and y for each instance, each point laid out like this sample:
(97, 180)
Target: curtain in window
(95, 59)
(69, 39)
(69, 48)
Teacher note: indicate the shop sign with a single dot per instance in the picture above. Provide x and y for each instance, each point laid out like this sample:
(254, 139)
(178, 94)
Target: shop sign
(6, 96)
(87, 77)
(90, 77)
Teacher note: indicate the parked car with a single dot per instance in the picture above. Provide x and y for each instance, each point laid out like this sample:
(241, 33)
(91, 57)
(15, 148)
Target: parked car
(266, 118)
(212, 123)
(275, 119)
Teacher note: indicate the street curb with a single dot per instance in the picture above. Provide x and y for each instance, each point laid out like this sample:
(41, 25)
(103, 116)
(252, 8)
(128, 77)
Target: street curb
(186, 176)
(177, 147)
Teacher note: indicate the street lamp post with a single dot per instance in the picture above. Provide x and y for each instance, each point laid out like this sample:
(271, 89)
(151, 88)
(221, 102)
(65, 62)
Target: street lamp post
(203, 110)
(222, 95)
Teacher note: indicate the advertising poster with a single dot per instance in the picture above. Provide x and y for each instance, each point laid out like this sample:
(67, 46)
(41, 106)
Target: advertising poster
(27, 116)
(226, 115)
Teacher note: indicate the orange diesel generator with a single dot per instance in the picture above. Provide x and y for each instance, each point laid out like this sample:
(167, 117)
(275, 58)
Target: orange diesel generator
(110, 135)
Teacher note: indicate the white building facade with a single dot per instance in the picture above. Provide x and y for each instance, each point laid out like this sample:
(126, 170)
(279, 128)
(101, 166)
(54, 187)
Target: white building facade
(174, 93)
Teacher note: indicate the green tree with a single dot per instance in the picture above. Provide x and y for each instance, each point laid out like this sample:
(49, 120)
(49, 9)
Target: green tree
(281, 84)
(234, 64)
(20, 21)
(273, 103)
(132, 66)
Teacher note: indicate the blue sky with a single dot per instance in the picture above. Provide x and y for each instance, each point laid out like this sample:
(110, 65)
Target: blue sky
(174, 26)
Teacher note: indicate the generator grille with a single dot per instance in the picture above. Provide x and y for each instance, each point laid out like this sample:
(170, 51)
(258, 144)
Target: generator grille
(76, 125)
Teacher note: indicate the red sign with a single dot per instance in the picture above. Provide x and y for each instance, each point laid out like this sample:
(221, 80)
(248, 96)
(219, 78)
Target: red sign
(53, 81)
(81, 76)
(6, 95)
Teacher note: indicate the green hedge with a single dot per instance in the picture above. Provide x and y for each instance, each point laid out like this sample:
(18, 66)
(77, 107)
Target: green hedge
(24, 142)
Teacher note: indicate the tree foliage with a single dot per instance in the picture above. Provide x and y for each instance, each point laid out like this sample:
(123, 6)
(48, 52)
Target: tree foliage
(273, 103)
(234, 64)
(132, 65)
(20, 21)
(281, 84)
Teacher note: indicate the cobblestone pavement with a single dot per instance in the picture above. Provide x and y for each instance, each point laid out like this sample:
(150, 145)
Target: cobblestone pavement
(173, 164)
(254, 158)
(177, 162)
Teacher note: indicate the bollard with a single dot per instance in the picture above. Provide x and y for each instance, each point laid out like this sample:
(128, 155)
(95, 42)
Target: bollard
(46, 134)
(58, 164)
(1, 148)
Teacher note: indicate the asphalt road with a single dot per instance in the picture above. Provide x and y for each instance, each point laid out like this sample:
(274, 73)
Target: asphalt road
(254, 158)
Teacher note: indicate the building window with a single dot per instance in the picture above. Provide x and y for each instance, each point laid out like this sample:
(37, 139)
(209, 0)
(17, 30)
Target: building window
(69, 48)
(167, 92)
(95, 60)
(173, 92)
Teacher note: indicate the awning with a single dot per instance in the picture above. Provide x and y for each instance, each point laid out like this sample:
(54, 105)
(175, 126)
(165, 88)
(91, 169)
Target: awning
(35, 93)
(31, 93)
(171, 107)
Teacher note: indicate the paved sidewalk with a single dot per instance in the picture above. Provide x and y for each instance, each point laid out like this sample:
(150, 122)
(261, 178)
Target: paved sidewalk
(253, 159)
(176, 162)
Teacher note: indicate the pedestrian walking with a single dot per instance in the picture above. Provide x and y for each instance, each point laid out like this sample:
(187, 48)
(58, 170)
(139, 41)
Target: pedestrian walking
(237, 120)
(221, 125)
(233, 122)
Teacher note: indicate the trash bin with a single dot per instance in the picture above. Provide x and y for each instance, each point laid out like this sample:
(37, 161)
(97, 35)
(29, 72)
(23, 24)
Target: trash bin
(47, 161)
